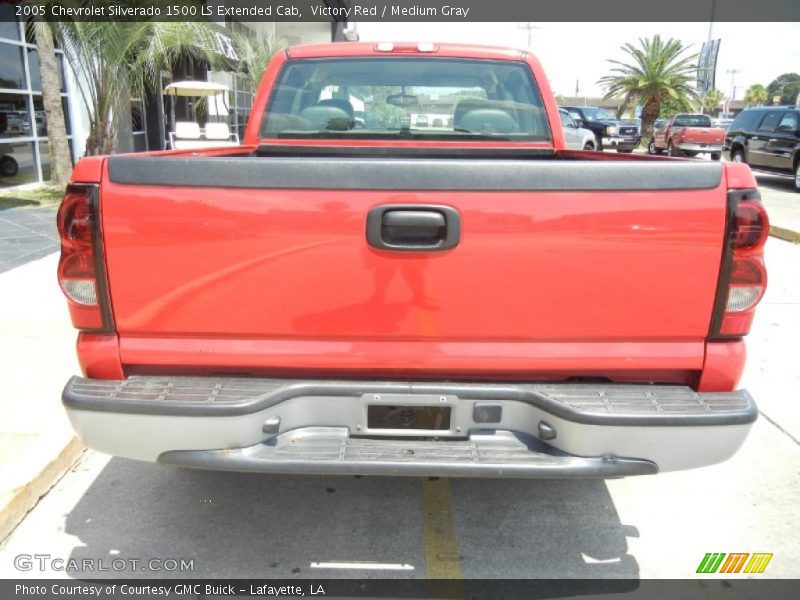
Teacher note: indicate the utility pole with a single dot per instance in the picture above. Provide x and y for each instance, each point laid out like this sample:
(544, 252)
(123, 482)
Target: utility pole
(732, 73)
(530, 27)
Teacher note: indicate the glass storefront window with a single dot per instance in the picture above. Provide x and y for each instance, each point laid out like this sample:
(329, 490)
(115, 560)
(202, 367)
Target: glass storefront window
(12, 68)
(36, 77)
(8, 25)
(41, 118)
(22, 112)
(17, 163)
(14, 116)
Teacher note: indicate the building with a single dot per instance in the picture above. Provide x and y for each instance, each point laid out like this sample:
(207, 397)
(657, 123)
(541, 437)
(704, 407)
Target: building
(23, 128)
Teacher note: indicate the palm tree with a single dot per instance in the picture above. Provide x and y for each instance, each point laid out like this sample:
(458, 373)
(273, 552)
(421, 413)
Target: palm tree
(756, 94)
(658, 70)
(254, 53)
(57, 144)
(116, 60)
(712, 100)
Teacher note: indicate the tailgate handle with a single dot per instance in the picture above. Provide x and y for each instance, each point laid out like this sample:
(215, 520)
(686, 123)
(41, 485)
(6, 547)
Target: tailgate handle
(407, 227)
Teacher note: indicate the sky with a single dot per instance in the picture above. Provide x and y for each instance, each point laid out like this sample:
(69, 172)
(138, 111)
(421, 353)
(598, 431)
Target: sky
(577, 52)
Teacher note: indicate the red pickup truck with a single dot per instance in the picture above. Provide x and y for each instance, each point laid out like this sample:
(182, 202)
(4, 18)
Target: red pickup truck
(360, 290)
(688, 135)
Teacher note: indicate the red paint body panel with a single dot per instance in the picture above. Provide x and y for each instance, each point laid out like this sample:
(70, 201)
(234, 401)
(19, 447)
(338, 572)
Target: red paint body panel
(98, 354)
(539, 266)
(543, 285)
(723, 366)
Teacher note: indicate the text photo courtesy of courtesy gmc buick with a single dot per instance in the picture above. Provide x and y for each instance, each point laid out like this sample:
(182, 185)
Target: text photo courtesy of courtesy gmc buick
(357, 290)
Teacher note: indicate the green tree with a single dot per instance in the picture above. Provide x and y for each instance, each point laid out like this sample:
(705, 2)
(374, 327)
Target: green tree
(657, 70)
(116, 60)
(712, 100)
(671, 107)
(255, 53)
(57, 144)
(756, 95)
(787, 86)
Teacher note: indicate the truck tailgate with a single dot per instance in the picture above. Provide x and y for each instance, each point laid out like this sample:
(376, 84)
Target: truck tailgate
(271, 263)
(703, 135)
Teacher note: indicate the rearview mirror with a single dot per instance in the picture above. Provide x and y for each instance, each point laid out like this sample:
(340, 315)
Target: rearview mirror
(402, 100)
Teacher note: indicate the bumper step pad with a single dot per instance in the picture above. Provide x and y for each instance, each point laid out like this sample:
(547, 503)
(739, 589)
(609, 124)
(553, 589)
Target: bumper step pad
(597, 404)
(330, 451)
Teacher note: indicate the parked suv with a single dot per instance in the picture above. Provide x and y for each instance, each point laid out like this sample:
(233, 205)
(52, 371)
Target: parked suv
(767, 138)
(609, 132)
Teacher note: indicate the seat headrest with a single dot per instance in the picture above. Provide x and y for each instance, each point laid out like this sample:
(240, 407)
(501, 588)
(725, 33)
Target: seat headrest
(488, 120)
(326, 118)
(339, 103)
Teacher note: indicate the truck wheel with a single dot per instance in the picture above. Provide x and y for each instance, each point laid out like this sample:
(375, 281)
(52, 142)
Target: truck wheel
(653, 149)
(737, 155)
(797, 175)
(716, 155)
(672, 151)
(588, 146)
(8, 167)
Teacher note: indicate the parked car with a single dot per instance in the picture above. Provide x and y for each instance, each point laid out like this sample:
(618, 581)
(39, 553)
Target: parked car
(767, 138)
(576, 138)
(470, 302)
(723, 122)
(687, 135)
(9, 166)
(609, 132)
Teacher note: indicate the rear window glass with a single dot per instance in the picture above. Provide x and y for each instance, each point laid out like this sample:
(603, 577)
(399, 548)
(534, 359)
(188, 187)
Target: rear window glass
(405, 98)
(692, 121)
(746, 120)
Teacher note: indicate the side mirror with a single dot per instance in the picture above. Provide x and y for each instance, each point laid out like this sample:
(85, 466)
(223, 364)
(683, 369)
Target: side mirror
(579, 123)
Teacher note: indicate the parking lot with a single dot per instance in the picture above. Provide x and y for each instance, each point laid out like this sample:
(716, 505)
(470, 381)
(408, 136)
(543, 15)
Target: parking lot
(239, 525)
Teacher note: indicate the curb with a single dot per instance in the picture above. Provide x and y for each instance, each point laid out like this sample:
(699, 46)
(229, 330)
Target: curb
(784, 234)
(22, 500)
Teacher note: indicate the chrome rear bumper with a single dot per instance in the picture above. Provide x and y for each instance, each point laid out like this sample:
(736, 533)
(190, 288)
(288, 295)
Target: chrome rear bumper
(492, 429)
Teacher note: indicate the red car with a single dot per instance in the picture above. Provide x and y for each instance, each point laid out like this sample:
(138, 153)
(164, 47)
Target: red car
(375, 297)
(688, 135)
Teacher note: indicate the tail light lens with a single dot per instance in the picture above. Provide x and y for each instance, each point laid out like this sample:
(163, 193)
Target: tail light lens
(81, 273)
(743, 278)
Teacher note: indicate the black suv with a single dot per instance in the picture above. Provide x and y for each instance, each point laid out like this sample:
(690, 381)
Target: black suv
(767, 138)
(609, 131)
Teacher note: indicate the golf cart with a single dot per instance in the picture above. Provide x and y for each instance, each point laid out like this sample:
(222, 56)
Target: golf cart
(188, 134)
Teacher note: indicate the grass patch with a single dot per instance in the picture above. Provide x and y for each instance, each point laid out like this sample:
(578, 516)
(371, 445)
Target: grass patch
(43, 195)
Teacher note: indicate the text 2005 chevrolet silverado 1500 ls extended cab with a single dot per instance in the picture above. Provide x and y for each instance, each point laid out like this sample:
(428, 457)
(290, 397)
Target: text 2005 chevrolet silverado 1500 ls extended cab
(356, 289)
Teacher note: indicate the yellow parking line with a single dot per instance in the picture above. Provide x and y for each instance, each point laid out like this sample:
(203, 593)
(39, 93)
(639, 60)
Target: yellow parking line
(442, 560)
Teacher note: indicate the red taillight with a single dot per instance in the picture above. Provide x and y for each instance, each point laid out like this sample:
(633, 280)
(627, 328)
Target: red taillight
(743, 279)
(80, 268)
(752, 225)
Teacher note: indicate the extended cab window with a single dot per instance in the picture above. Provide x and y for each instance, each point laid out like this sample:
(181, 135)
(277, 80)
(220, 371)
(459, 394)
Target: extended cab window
(418, 98)
(770, 121)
